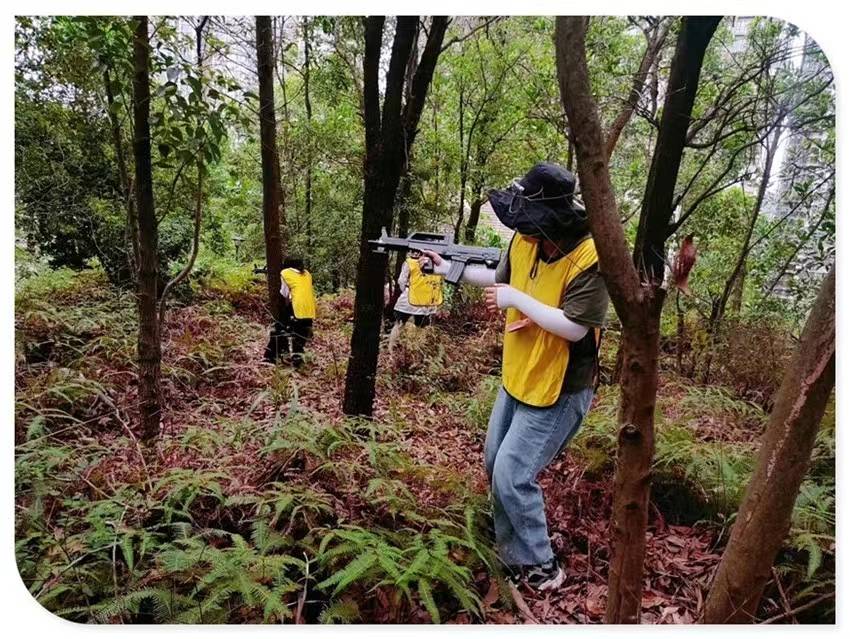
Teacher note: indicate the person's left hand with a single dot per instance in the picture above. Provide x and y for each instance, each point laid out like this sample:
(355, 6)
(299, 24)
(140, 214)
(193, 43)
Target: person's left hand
(492, 298)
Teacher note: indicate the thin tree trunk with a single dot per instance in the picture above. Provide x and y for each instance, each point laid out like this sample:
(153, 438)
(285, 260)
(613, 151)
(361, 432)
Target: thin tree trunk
(308, 108)
(405, 184)
(680, 334)
(474, 213)
(196, 242)
(634, 287)
(654, 43)
(403, 231)
(657, 206)
(149, 348)
(736, 297)
(132, 232)
(764, 517)
(284, 227)
(199, 196)
(736, 276)
(464, 164)
(270, 162)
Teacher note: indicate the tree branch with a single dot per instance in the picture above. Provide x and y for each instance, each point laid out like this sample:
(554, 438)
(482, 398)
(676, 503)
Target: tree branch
(654, 45)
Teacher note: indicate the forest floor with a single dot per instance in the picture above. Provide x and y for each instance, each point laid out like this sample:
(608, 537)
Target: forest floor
(232, 421)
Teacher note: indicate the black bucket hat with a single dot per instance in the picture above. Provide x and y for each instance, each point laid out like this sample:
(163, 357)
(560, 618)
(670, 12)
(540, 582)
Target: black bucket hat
(541, 204)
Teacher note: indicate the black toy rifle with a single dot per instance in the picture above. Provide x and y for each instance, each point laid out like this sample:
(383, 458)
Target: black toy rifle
(444, 246)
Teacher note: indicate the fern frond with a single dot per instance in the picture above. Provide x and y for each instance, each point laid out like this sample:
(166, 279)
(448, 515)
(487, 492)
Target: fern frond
(353, 571)
(426, 595)
(345, 611)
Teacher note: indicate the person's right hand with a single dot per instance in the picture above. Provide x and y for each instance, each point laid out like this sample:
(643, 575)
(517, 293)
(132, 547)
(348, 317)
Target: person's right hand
(441, 266)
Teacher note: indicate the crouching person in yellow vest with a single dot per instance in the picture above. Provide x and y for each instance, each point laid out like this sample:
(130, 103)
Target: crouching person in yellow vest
(298, 311)
(421, 296)
(549, 284)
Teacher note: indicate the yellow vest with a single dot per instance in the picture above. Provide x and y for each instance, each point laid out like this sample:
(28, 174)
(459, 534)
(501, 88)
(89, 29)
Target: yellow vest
(424, 290)
(535, 361)
(301, 291)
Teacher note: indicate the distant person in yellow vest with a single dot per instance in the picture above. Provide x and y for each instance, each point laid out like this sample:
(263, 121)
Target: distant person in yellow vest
(421, 296)
(556, 301)
(297, 313)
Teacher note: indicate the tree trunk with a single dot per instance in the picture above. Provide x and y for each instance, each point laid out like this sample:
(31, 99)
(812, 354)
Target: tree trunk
(654, 44)
(378, 195)
(403, 231)
(406, 182)
(474, 214)
(464, 164)
(199, 193)
(132, 232)
(764, 517)
(657, 207)
(680, 334)
(639, 375)
(736, 297)
(390, 132)
(308, 108)
(270, 162)
(634, 287)
(632, 478)
(149, 348)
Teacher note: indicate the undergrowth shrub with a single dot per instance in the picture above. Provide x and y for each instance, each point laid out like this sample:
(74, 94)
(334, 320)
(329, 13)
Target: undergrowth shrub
(425, 360)
(751, 358)
(328, 508)
(700, 475)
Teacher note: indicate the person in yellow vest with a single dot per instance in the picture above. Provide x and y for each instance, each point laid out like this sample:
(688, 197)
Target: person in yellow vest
(297, 314)
(549, 283)
(421, 296)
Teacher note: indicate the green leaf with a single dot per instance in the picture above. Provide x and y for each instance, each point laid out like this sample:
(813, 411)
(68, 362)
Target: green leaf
(127, 550)
(351, 573)
(427, 598)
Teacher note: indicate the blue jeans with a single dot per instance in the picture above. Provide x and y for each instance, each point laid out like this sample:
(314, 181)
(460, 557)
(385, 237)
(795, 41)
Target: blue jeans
(521, 441)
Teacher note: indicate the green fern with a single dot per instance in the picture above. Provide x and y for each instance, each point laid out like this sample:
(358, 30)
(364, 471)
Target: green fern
(345, 611)
(426, 596)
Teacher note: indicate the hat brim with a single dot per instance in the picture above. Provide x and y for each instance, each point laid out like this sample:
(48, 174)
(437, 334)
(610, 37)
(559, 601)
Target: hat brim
(527, 215)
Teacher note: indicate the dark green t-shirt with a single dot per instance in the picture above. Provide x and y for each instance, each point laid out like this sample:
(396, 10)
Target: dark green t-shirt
(585, 302)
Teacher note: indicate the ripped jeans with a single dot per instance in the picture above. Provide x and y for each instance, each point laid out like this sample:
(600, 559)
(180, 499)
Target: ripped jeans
(521, 441)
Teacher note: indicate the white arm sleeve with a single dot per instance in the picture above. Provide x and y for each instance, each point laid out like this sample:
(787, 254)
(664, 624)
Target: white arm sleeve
(284, 289)
(404, 276)
(475, 274)
(478, 275)
(546, 317)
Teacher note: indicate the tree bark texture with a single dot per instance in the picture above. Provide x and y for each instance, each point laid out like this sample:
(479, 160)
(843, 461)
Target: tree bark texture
(149, 347)
(390, 132)
(764, 517)
(635, 290)
(270, 163)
